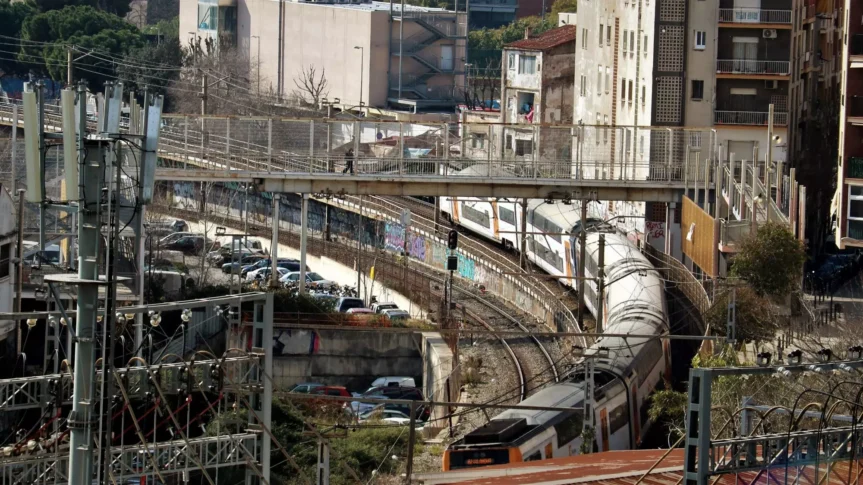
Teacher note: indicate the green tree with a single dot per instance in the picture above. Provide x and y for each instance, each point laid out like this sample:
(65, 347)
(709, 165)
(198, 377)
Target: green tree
(165, 29)
(153, 66)
(14, 15)
(485, 45)
(756, 319)
(563, 6)
(108, 37)
(116, 7)
(771, 261)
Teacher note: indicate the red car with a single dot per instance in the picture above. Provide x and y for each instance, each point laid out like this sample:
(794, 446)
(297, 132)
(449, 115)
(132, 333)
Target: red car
(327, 405)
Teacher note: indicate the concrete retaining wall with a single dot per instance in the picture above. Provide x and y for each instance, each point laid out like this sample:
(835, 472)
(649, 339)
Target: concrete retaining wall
(351, 359)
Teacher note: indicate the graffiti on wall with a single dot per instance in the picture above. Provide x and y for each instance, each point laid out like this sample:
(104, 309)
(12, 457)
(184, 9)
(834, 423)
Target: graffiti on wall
(394, 237)
(417, 246)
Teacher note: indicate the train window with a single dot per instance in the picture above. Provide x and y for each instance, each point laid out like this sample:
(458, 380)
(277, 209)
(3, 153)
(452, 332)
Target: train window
(475, 216)
(506, 215)
(546, 255)
(618, 418)
(649, 355)
(569, 429)
(534, 456)
(541, 224)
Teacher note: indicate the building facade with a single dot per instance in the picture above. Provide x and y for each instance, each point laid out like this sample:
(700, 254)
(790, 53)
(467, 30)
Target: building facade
(369, 52)
(536, 89)
(614, 87)
(848, 199)
(816, 62)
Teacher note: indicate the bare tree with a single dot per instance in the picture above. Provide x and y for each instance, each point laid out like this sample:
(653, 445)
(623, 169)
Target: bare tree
(311, 87)
(483, 85)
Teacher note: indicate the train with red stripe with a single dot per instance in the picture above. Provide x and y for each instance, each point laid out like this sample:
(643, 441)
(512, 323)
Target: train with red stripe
(629, 361)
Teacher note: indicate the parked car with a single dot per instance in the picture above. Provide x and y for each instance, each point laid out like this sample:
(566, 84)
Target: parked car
(396, 315)
(189, 244)
(174, 237)
(394, 382)
(345, 303)
(245, 261)
(408, 393)
(161, 228)
(360, 311)
(304, 387)
(288, 264)
(379, 307)
(389, 415)
(331, 391)
(263, 274)
(313, 280)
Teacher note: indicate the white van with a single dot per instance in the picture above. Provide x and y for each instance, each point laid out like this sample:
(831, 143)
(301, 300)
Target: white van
(394, 382)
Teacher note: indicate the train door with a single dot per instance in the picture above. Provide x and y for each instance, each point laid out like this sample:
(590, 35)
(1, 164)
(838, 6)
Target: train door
(603, 426)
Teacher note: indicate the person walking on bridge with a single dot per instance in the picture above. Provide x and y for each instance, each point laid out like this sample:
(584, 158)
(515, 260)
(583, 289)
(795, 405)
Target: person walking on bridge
(349, 161)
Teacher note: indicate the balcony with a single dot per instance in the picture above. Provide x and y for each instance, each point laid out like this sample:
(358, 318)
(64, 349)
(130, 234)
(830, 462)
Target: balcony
(855, 167)
(752, 118)
(854, 110)
(855, 51)
(754, 16)
(747, 67)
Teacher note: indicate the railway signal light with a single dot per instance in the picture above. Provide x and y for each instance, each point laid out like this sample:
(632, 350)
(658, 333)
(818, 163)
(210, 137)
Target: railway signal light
(452, 239)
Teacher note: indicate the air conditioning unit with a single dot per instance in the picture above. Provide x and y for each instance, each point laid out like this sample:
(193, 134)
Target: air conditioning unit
(771, 84)
(768, 33)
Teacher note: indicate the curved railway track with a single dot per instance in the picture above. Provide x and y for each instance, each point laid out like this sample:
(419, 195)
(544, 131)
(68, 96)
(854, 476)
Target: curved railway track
(532, 360)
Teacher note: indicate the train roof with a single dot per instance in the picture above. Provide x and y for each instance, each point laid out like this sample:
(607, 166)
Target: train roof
(564, 394)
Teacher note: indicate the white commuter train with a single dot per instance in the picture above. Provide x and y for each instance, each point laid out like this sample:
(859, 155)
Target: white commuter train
(627, 371)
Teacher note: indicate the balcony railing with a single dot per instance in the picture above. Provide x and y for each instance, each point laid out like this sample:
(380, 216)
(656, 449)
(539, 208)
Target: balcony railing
(747, 66)
(748, 118)
(754, 16)
(855, 167)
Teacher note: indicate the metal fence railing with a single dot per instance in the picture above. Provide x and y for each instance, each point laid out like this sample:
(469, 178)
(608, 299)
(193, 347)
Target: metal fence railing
(751, 66)
(747, 15)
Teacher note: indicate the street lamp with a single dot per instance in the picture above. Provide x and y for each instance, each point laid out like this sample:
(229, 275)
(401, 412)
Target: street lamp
(258, 60)
(362, 68)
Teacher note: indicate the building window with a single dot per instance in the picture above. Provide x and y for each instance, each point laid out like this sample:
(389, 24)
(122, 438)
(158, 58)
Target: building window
(623, 91)
(643, 94)
(608, 35)
(641, 146)
(697, 90)
(511, 62)
(208, 17)
(700, 40)
(630, 91)
(599, 81)
(632, 42)
(600, 35)
(855, 211)
(523, 147)
(478, 141)
(607, 79)
(645, 46)
(5, 260)
(583, 91)
(584, 39)
(625, 37)
(526, 64)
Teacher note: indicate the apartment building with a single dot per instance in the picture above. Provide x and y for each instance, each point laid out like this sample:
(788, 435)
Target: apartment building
(373, 53)
(536, 89)
(614, 86)
(816, 62)
(847, 205)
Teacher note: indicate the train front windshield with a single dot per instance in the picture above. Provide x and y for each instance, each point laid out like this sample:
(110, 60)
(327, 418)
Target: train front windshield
(474, 458)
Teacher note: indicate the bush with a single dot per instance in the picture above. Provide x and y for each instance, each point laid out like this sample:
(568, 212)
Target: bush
(771, 261)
